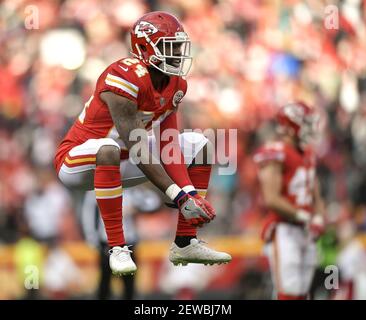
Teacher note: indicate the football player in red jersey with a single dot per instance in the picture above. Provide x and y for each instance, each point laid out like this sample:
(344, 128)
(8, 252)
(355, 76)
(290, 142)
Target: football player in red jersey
(291, 195)
(99, 152)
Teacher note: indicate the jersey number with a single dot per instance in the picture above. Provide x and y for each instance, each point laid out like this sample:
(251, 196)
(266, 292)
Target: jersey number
(139, 70)
(302, 185)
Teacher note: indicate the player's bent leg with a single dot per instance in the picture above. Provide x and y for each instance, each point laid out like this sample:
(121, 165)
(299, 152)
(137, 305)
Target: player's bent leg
(95, 164)
(197, 153)
(108, 191)
(77, 170)
(197, 149)
(199, 172)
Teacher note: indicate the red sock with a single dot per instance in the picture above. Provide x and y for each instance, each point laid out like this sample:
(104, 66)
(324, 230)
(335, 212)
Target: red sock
(108, 192)
(200, 177)
(282, 296)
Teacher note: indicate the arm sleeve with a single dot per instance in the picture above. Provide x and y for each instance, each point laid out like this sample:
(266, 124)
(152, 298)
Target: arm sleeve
(176, 170)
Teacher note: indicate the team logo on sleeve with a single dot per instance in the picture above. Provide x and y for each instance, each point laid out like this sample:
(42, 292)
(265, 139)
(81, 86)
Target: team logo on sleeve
(178, 96)
(145, 28)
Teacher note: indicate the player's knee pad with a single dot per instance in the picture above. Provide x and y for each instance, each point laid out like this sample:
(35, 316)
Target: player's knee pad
(193, 146)
(108, 153)
(193, 138)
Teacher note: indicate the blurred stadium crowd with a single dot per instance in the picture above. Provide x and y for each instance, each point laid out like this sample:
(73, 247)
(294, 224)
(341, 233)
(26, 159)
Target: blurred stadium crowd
(249, 58)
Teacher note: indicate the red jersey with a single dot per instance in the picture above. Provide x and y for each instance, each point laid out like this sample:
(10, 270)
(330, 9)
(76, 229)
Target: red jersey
(298, 177)
(129, 78)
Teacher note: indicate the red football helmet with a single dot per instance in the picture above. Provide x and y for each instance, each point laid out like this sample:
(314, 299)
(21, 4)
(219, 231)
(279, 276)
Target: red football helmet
(301, 119)
(158, 39)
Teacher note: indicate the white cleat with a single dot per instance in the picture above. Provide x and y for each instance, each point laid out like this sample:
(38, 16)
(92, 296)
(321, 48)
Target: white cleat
(120, 261)
(196, 252)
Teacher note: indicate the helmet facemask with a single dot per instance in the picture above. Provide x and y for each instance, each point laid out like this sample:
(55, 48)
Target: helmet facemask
(174, 54)
(158, 40)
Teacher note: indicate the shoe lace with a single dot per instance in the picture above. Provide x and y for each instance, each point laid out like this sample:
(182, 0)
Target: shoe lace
(201, 244)
(205, 249)
(118, 251)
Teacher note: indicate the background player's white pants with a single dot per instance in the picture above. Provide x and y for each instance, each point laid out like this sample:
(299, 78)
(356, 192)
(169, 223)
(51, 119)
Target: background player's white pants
(82, 177)
(293, 257)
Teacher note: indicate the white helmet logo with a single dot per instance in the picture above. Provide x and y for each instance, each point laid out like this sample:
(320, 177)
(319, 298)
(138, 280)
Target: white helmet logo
(145, 29)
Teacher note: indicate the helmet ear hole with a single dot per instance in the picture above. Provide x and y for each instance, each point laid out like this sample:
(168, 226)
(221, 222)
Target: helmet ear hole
(143, 48)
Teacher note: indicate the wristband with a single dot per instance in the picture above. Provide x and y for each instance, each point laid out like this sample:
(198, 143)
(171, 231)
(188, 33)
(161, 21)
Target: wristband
(189, 189)
(173, 191)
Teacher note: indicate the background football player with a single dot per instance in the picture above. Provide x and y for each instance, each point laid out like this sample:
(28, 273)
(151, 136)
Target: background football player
(142, 92)
(291, 194)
